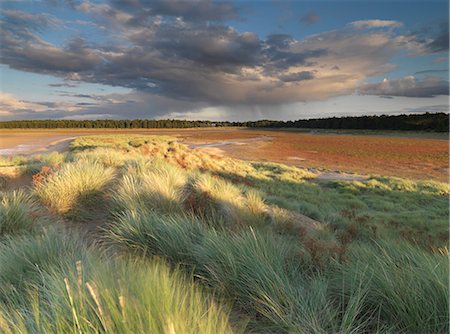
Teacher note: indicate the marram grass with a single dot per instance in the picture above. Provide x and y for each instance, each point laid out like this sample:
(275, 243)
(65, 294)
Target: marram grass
(73, 184)
(406, 287)
(66, 288)
(16, 212)
(221, 237)
(383, 287)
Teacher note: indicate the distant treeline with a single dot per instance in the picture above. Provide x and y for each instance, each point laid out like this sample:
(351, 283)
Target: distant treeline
(422, 122)
(109, 124)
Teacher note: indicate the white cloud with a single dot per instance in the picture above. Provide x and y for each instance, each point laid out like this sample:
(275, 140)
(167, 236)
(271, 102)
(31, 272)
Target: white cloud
(9, 104)
(361, 24)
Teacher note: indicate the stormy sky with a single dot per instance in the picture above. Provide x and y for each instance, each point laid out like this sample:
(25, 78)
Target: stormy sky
(237, 60)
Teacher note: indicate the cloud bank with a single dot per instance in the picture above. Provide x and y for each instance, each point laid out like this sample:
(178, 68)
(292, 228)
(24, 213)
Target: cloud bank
(407, 86)
(183, 55)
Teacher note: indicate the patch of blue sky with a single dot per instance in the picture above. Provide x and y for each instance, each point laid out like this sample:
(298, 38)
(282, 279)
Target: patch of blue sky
(36, 87)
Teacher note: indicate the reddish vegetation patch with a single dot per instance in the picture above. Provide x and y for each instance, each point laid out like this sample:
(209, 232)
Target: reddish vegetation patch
(413, 158)
(40, 177)
(321, 251)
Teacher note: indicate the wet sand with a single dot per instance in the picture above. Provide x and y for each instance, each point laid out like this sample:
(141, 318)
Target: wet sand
(34, 141)
(33, 145)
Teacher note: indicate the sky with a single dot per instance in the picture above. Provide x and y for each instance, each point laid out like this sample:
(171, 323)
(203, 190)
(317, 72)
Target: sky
(222, 60)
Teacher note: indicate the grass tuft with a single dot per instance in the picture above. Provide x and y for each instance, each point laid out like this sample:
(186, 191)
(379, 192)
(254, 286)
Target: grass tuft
(73, 185)
(157, 185)
(16, 212)
(406, 286)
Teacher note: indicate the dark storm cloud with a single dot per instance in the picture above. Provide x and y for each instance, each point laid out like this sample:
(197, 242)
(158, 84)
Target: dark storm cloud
(310, 18)
(215, 46)
(190, 61)
(299, 76)
(22, 48)
(183, 51)
(142, 12)
(16, 18)
(280, 41)
(285, 59)
(193, 10)
(85, 104)
(440, 40)
(433, 39)
(44, 58)
(408, 87)
(17, 27)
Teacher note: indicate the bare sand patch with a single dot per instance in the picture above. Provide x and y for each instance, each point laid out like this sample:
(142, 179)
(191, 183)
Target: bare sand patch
(296, 158)
(231, 142)
(13, 178)
(212, 150)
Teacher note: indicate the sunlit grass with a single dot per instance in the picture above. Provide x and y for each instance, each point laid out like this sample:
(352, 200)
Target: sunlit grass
(16, 160)
(75, 182)
(155, 184)
(53, 159)
(190, 242)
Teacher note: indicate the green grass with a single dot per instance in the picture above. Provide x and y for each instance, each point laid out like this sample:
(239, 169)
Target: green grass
(195, 243)
(149, 233)
(274, 279)
(24, 260)
(404, 285)
(120, 142)
(375, 208)
(16, 213)
(10, 161)
(222, 260)
(57, 285)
